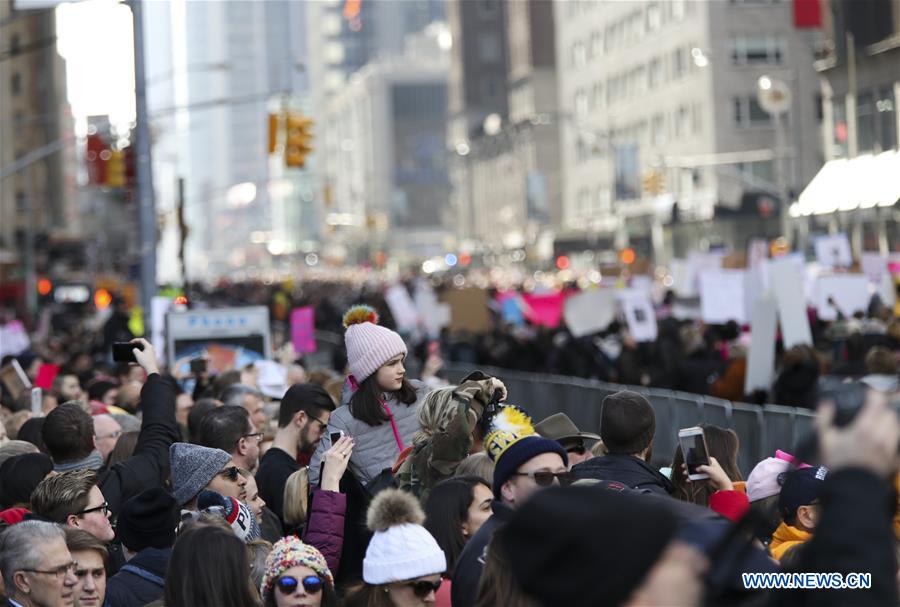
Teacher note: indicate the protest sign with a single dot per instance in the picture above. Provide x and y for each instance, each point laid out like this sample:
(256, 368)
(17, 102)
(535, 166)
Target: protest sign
(874, 266)
(468, 310)
(757, 252)
(544, 309)
(14, 378)
(303, 330)
(406, 317)
(639, 314)
(847, 293)
(13, 338)
(590, 311)
(761, 357)
(511, 308)
(786, 283)
(231, 338)
(833, 251)
(159, 307)
(433, 314)
(722, 296)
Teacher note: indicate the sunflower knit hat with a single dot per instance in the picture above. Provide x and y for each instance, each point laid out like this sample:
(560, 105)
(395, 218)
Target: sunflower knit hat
(369, 345)
(512, 441)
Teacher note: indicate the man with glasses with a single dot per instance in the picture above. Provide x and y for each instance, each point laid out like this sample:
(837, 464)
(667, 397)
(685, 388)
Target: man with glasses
(74, 499)
(37, 568)
(195, 468)
(230, 429)
(302, 419)
(524, 463)
(106, 434)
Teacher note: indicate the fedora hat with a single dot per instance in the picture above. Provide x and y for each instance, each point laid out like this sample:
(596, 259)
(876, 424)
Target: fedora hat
(559, 428)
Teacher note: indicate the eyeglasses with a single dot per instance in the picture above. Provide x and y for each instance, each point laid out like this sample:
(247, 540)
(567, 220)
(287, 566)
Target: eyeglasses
(59, 572)
(321, 423)
(104, 507)
(423, 588)
(115, 434)
(231, 473)
(287, 584)
(258, 436)
(545, 479)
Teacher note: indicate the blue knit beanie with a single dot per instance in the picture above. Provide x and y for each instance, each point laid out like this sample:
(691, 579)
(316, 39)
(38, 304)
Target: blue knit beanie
(520, 452)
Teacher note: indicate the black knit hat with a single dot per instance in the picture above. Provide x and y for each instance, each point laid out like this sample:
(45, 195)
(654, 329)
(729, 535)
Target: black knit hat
(627, 422)
(20, 475)
(148, 520)
(567, 540)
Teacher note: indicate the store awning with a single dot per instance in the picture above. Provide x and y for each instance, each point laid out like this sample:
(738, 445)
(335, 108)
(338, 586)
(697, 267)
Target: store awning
(852, 183)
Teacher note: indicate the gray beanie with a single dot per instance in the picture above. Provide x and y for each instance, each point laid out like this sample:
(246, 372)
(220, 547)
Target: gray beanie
(193, 467)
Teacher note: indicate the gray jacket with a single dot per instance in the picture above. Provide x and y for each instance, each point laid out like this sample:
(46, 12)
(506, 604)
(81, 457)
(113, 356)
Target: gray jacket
(375, 446)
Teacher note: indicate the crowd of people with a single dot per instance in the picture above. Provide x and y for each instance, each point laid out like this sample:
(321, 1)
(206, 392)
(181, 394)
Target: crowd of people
(360, 486)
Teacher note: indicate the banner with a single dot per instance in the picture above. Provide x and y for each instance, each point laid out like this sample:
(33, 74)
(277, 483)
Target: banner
(231, 338)
(639, 314)
(722, 297)
(406, 317)
(786, 280)
(303, 330)
(590, 311)
(847, 293)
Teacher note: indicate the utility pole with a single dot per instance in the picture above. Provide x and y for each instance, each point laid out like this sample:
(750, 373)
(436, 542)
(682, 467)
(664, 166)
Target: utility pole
(144, 170)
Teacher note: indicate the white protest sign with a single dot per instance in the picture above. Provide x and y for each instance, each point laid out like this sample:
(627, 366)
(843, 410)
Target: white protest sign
(406, 317)
(848, 293)
(761, 358)
(590, 311)
(639, 314)
(833, 251)
(722, 297)
(786, 282)
(757, 252)
(874, 266)
(681, 279)
(433, 314)
(13, 338)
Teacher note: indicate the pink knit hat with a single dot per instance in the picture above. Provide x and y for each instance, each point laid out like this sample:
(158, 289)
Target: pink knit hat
(764, 482)
(369, 346)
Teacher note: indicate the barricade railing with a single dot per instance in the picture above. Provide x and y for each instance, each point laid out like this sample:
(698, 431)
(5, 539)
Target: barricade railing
(761, 429)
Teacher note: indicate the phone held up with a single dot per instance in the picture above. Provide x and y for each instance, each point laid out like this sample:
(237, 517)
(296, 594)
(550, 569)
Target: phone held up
(122, 351)
(693, 446)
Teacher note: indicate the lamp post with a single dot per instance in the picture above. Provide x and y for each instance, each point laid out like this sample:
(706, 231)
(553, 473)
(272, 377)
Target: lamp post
(774, 96)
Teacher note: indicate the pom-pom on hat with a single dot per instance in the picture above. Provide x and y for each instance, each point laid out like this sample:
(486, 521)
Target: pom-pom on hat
(512, 441)
(291, 552)
(369, 345)
(401, 549)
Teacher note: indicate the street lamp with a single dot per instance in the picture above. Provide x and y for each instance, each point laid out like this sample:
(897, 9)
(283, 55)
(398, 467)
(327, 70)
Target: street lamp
(774, 96)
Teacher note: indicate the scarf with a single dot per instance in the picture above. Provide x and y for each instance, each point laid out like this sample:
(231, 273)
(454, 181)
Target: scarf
(93, 461)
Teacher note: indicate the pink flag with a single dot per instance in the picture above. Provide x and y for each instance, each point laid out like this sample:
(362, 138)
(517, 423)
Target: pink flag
(303, 330)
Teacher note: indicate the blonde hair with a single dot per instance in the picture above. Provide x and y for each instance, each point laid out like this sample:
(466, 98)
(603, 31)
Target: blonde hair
(478, 464)
(296, 498)
(436, 412)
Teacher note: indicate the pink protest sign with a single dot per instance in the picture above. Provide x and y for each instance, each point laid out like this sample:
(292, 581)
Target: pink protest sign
(303, 330)
(544, 309)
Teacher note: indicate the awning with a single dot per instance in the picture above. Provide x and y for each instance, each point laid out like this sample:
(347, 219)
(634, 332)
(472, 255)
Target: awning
(852, 183)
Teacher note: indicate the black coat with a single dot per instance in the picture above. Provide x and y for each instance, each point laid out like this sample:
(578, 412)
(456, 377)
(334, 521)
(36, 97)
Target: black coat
(140, 581)
(149, 466)
(470, 564)
(626, 469)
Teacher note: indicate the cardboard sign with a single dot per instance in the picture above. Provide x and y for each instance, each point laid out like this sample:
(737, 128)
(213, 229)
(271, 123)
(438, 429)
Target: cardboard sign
(847, 293)
(14, 378)
(469, 310)
(639, 314)
(303, 330)
(591, 311)
(722, 297)
(231, 338)
(545, 309)
(833, 251)
(786, 280)
(406, 317)
(761, 357)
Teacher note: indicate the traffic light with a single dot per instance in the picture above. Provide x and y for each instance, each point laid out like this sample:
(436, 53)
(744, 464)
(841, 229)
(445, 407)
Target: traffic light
(298, 141)
(654, 183)
(115, 169)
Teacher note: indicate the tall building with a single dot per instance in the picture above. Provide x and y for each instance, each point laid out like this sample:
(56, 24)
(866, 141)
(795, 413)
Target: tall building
(665, 145)
(215, 70)
(860, 88)
(34, 112)
(382, 153)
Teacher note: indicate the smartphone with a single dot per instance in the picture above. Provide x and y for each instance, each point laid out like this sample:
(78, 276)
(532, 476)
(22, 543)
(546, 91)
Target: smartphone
(198, 365)
(122, 351)
(693, 446)
(336, 436)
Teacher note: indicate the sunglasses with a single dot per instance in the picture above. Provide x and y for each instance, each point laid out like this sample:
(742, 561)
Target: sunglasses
(545, 479)
(423, 588)
(231, 473)
(287, 584)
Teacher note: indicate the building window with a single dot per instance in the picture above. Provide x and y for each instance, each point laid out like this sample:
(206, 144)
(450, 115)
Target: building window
(15, 83)
(747, 112)
(677, 8)
(21, 201)
(654, 17)
(488, 48)
(628, 180)
(581, 102)
(658, 129)
(596, 45)
(758, 175)
(654, 73)
(885, 109)
(757, 50)
(697, 118)
(489, 88)
(681, 122)
(865, 122)
(839, 128)
(679, 63)
(487, 9)
(579, 54)
(597, 94)
(14, 45)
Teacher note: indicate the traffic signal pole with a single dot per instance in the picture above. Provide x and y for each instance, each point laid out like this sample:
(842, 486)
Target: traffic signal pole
(144, 170)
